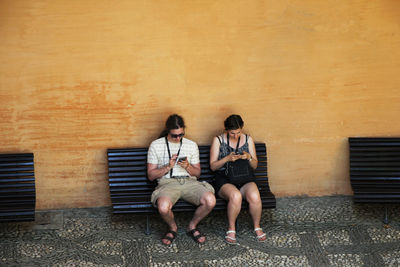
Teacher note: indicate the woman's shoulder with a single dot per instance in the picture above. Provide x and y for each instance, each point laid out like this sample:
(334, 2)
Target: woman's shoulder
(247, 137)
(221, 138)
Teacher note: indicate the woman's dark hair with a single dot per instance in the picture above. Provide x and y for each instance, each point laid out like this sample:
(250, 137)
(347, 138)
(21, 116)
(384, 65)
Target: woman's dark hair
(233, 122)
(174, 121)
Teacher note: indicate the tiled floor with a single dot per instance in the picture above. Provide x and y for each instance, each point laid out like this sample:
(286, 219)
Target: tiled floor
(325, 231)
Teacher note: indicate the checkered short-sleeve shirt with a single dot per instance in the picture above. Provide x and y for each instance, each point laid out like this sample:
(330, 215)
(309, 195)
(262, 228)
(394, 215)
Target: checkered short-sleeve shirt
(158, 154)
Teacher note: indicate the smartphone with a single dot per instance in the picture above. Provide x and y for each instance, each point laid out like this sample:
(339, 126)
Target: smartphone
(182, 159)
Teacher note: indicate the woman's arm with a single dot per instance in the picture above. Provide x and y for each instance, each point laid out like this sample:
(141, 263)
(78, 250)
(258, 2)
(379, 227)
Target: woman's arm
(252, 155)
(216, 164)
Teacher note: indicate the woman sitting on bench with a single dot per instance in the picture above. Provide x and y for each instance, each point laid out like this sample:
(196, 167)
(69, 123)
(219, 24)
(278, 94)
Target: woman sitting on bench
(226, 149)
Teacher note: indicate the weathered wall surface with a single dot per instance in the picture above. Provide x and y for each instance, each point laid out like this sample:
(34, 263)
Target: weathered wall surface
(78, 77)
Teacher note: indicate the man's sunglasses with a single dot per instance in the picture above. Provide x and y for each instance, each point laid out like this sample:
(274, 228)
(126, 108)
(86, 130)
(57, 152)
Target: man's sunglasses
(177, 135)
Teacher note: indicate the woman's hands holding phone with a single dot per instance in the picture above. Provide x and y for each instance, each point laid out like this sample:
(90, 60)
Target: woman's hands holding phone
(233, 157)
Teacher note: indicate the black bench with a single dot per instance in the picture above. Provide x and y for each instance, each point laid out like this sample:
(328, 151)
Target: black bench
(17, 187)
(130, 189)
(375, 170)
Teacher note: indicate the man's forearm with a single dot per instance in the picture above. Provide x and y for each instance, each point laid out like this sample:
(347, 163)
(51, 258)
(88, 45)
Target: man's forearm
(193, 171)
(157, 173)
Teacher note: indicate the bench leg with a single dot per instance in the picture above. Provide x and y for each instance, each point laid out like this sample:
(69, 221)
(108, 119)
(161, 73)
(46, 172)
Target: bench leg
(385, 219)
(147, 232)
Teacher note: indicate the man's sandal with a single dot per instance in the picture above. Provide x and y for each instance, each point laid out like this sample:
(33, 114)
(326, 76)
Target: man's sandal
(233, 239)
(167, 237)
(260, 238)
(196, 237)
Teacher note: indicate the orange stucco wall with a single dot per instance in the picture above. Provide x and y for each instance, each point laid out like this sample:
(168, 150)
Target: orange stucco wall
(78, 77)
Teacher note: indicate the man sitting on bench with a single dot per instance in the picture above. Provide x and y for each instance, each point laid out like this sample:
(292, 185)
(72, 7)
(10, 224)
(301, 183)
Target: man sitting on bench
(174, 162)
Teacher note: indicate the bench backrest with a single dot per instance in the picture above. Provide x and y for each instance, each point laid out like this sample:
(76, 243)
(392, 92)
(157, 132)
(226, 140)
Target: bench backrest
(17, 187)
(131, 190)
(375, 169)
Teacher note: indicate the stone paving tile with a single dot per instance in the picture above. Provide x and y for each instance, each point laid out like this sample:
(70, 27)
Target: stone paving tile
(391, 258)
(347, 260)
(334, 237)
(324, 231)
(382, 235)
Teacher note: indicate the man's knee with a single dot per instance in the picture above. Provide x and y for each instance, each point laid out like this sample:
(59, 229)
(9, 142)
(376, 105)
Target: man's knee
(164, 205)
(208, 199)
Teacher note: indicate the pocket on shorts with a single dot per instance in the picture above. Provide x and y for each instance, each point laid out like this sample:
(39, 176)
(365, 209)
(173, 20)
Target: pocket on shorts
(208, 187)
(161, 184)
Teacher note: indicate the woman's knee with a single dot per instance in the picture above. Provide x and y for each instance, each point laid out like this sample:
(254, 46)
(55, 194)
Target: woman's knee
(253, 197)
(235, 198)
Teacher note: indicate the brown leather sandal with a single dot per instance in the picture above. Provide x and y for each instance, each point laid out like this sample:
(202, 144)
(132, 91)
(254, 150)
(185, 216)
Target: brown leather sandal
(170, 239)
(196, 237)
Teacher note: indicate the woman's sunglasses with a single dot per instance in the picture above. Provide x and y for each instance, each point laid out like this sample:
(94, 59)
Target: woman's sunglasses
(177, 135)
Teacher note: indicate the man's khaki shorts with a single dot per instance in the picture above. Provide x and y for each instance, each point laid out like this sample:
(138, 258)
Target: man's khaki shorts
(189, 189)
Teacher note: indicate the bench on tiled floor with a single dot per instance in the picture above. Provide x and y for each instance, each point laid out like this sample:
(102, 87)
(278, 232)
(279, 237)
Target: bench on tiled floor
(130, 189)
(375, 170)
(17, 187)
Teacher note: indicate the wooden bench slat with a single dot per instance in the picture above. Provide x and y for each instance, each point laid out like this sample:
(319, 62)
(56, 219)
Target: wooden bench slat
(375, 164)
(377, 142)
(130, 158)
(16, 157)
(127, 174)
(17, 174)
(17, 202)
(125, 163)
(373, 139)
(375, 173)
(133, 154)
(17, 186)
(15, 164)
(17, 216)
(127, 168)
(392, 170)
(392, 156)
(15, 196)
(18, 180)
(16, 168)
(20, 190)
(391, 150)
(375, 178)
(129, 179)
(21, 206)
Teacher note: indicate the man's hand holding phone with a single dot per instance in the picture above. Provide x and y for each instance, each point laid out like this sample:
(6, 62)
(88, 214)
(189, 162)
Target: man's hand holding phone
(181, 159)
(183, 162)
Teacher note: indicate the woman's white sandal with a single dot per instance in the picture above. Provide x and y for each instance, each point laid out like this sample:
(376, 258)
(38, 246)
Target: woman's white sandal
(230, 238)
(259, 237)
